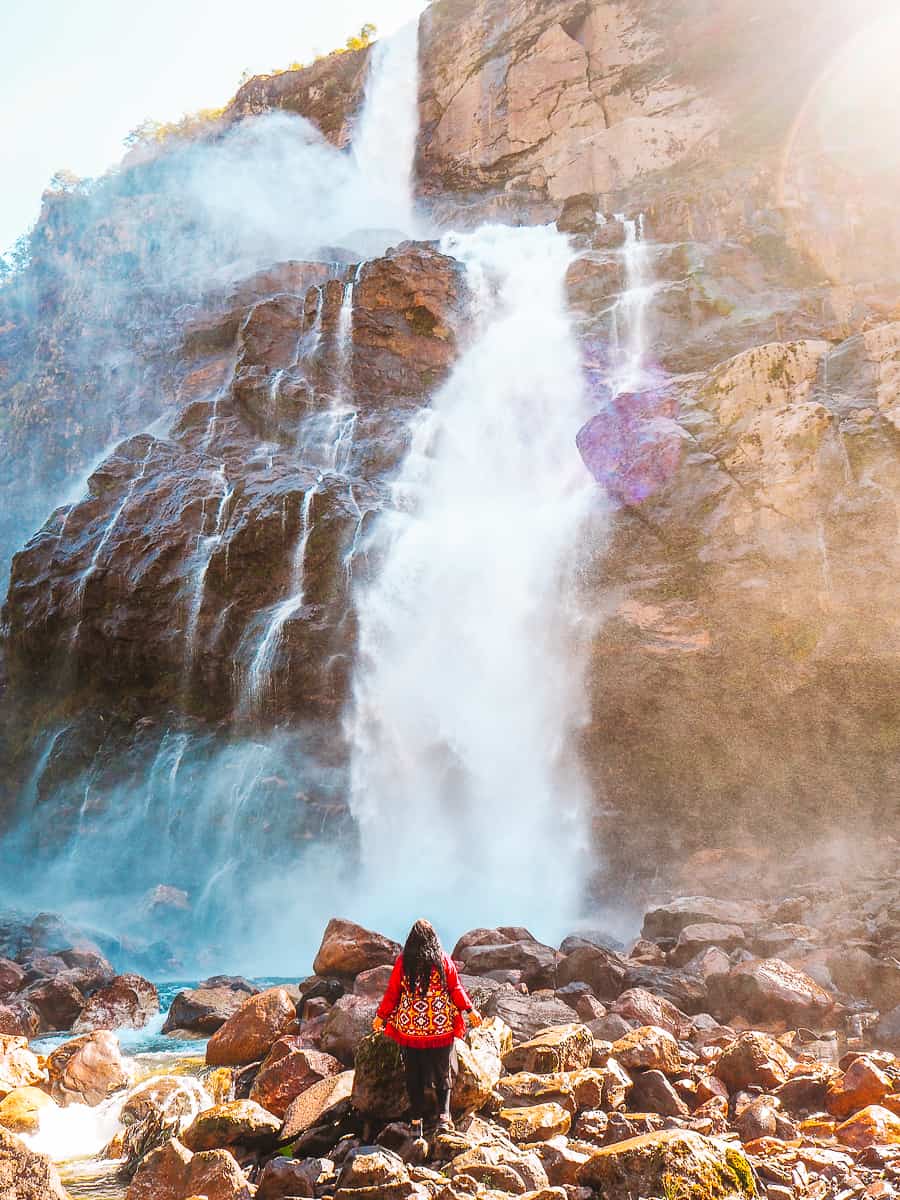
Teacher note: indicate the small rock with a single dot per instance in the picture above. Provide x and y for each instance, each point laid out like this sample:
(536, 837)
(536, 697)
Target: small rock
(316, 1104)
(753, 1060)
(286, 1178)
(535, 1123)
(652, 1092)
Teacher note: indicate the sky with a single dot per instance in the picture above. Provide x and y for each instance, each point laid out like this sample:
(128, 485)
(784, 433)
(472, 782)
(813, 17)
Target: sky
(76, 76)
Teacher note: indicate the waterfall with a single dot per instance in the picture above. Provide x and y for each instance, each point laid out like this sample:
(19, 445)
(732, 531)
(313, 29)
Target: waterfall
(384, 144)
(468, 685)
(629, 314)
(206, 547)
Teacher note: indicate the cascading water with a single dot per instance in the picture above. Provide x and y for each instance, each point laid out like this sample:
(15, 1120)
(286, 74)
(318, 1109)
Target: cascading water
(469, 686)
(629, 313)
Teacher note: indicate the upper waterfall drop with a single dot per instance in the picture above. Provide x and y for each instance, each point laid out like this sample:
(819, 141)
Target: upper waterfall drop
(469, 681)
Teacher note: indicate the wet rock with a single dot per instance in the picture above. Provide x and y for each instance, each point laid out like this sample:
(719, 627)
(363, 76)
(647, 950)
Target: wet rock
(753, 1060)
(12, 978)
(524, 1015)
(249, 1035)
(129, 1002)
(348, 950)
(167, 1096)
(872, 1126)
(667, 1163)
(18, 1066)
(87, 1070)
(284, 1178)
(648, 1048)
(287, 1071)
(862, 1084)
(603, 970)
(25, 1175)
(345, 1025)
(379, 1081)
(694, 939)
(561, 1048)
(763, 989)
(652, 1092)
(172, 1172)
(535, 1123)
(237, 1123)
(206, 1008)
(20, 1110)
(536, 962)
(648, 953)
(57, 1000)
(19, 1019)
(316, 1104)
(480, 1064)
(579, 214)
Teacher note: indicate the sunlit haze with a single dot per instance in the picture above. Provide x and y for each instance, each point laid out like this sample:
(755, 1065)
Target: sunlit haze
(75, 79)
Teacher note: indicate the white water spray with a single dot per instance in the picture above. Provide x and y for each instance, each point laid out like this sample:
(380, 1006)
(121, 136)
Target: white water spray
(469, 684)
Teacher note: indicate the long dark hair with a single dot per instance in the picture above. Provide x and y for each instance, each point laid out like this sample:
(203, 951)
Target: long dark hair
(423, 954)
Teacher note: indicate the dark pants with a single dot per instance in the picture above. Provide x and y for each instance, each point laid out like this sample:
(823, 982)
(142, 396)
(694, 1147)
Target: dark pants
(431, 1068)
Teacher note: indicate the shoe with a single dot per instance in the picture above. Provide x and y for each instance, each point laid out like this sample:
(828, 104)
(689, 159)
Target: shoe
(445, 1125)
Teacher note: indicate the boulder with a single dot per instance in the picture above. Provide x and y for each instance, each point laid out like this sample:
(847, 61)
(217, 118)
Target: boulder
(637, 1004)
(26, 1175)
(372, 984)
(57, 1000)
(753, 1060)
(18, 1066)
(348, 949)
(204, 1009)
(287, 1071)
(379, 1080)
(249, 1035)
(871, 1126)
(683, 989)
(862, 1084)
(524, 1089)
(172, 1172)
(536, 962)
(128, 1002)
(12, 978)
(561, 1161)
(648, 1048)
(87, 1070)
(480, 1064)
(766, 989)
(237, 1123)
(560, 1048)
(579, 214)
(603, 970)
(524, 1015)
(671, 1162)
(668, 920)
(316, 1103)
(373, 1173)
(535, 1122)
(500, 1166)
(168, 1096)
(18, 1018)
(652, 1092)
(20, 1111)
(345, 1025)
(694, 939)
(284, 1178)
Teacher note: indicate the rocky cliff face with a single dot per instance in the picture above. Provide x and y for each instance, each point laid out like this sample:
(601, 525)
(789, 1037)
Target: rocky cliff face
(746, 664)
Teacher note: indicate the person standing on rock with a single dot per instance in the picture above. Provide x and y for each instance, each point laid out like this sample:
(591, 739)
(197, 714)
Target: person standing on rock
(422, 1011)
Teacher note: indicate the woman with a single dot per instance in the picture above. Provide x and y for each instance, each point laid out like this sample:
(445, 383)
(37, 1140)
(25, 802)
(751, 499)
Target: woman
(422, 1011)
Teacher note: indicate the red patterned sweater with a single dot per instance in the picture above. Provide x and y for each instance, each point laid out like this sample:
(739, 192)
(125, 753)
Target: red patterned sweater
(424, 1022)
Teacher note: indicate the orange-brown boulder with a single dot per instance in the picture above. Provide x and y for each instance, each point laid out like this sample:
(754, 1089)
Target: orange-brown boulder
(87, 1070)
(128, 1002)
(288, 1070)
(25, 1175)
(348, 949)
(862, 1084)
(872, 1126)
(249, 1035)
(753, 1060)
(18, 1066)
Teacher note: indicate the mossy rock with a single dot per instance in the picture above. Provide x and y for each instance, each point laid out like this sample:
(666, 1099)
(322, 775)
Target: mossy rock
(674, 1163)
(379, 1081)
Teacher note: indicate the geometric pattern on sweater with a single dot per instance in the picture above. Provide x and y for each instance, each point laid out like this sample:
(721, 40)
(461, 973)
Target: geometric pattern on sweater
(432, 1015)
